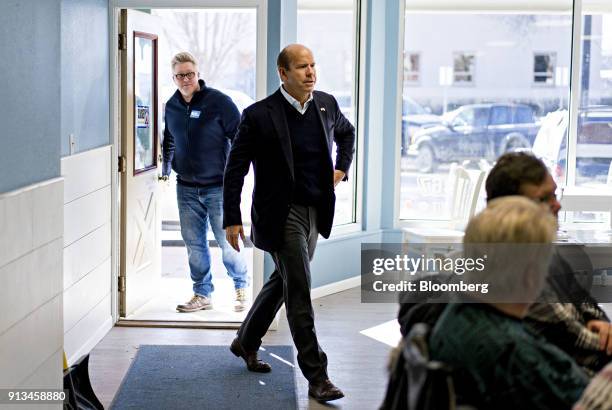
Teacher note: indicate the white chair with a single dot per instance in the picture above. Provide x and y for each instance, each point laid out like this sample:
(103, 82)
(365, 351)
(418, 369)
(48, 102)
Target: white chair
(464, 189)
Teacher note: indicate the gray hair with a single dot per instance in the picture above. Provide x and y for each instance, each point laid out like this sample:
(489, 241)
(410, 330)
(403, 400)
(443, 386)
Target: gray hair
(183, 57)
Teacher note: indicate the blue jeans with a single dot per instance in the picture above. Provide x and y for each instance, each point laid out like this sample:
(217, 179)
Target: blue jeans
(197, 207)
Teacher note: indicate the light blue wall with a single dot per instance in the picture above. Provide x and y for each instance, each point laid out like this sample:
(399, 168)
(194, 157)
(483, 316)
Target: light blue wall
(29, 92)
(54, 82)
(391, 123)
(374, 113)
(84, 74)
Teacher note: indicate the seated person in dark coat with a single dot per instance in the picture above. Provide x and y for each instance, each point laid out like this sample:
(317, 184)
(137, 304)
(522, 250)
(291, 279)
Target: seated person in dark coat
(497, 361)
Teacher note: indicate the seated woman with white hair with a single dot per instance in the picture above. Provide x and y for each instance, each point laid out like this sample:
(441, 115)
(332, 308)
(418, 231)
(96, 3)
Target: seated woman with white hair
(497, 362)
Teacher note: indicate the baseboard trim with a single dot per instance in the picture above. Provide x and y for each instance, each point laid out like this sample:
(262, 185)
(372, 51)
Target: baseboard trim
(92, 341)
(177, 324)
(335, 287)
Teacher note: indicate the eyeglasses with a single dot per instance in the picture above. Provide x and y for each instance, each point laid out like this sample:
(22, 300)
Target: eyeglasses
(554, 196)
(188, 76)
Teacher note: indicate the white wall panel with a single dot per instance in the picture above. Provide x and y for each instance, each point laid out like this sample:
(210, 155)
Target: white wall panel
(49, 375)
(86, 172)
(84, 255)
(88, 331)
(87, 250)
(15, 225)
(48, 213)
(30, 342)
(33, 280)
(86, 214)
(31, 328)
(85, 294)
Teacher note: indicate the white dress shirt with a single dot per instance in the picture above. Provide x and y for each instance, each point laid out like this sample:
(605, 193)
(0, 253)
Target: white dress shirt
(295, 103)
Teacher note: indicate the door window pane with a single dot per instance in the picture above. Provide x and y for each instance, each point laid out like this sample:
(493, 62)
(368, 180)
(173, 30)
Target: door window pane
(594, 132)
(594, 142)
(145, 102)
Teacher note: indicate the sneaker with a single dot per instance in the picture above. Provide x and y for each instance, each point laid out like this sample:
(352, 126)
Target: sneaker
(241, 300)
(196, 303)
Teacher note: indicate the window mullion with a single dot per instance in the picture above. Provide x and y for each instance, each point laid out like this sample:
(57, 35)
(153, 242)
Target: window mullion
(575, 91)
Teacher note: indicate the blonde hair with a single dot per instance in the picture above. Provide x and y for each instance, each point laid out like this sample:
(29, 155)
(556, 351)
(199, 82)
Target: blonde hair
(515, 234)
(183, 57)
(512, 219)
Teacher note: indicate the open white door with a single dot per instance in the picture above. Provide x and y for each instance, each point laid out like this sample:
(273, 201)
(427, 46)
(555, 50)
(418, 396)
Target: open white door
(140, 255)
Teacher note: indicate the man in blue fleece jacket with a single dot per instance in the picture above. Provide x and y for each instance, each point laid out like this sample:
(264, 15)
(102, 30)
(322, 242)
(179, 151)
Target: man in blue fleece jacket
(200, 124)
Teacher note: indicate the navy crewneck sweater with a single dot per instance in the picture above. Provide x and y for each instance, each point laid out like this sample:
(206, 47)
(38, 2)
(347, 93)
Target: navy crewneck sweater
(310, 165)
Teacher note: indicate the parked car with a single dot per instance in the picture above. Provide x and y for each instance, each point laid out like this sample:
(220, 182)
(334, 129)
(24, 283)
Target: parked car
(415, 117)
(474, 132)
(593, 148)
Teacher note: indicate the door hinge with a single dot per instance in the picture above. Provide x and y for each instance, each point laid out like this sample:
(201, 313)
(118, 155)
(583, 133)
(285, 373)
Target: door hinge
(122, 164)
(121, 283)
(122, 41)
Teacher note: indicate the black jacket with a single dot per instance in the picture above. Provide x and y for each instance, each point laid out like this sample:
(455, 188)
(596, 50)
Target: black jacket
(263, 139)
(197, 135)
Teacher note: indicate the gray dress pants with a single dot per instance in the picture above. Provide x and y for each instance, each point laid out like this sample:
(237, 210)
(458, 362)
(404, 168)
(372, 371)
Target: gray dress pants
(290, 283)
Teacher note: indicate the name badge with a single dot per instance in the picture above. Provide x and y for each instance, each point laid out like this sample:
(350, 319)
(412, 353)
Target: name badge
(195, 114)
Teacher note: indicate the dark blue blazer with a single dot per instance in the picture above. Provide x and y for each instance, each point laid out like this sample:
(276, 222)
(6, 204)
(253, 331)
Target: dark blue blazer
(263, 139)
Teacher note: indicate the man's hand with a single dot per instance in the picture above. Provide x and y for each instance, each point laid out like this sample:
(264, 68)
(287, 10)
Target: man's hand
(338, 176)
(231, 233)
(604, 329)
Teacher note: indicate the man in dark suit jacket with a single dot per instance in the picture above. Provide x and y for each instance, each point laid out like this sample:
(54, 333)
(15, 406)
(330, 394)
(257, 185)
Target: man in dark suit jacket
(288, 137)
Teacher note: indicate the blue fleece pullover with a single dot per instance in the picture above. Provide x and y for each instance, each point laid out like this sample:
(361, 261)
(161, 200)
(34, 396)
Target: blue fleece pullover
(197, 136)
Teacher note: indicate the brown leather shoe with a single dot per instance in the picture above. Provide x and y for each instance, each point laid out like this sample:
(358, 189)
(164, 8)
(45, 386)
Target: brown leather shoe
(324, 391)
(250, 358)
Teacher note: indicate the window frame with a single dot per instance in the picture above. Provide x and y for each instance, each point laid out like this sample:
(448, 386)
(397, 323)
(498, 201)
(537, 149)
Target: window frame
(580, 8)
(359, 85)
